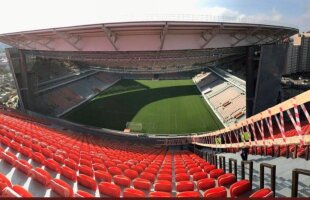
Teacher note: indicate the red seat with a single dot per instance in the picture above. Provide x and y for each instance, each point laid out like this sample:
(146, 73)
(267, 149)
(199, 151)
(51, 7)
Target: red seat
(109, 189)
(194, 170)
(103, 176)
(226, 179)
(109, 163)
(122, 166)
(26, 151)
(47, 152)
(218, 192)
(83, 169)
(4, 182)
(239, 188)
(151, 170)
(83, 194)
(14, 145)
(41, 176)
(262, 193)
(38, 157)
(62, 188)
(148, 176)
(183, 186)
(122, 180)
(9, 157)
(16, 191)
(59, 158)
(163, 186)
(167, 177)
(87, 181)
(23, 166)
(86, 162)
(132, 174)
(99, 166)
(71, 163)
(206, 183)
(129, 192)
(208, 168)
(53, 165)
(160, 194)
(115, 171)
(182, 177)
(165, 171)
(180, 171)
(199, 175)
(189, 194)
(216, 173)
(68, 173)
(142, 184)
(137, 168)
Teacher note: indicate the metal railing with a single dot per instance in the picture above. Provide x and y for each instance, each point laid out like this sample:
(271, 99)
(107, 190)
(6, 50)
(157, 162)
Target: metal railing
(295, 178)
(272, 178)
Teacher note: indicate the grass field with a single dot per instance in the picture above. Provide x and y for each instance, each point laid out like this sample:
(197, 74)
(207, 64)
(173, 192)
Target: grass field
(163, 107)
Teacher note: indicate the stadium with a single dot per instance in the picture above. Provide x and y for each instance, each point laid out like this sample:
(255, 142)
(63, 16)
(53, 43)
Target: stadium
(153, 109)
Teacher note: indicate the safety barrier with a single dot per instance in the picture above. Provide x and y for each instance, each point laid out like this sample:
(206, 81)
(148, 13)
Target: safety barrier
(250, 163)
(272, 178)
(295, 177)
(230, 162)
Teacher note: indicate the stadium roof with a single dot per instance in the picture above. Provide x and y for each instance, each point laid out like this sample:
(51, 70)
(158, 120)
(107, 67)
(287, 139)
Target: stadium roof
(148, 36)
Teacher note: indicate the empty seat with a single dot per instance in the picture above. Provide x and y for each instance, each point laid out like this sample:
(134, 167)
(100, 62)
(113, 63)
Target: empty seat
(218, 192)
(188, 194)
(99, 166)
(62, 188)
(199, 175)
(122, 180)
(208, 168)
(41, 176)
(23, 166)
(160, 194)
(194, 170)
(103, 176)
(216, 173)
(83, 169)
(109, 189)
(163, 186)
(148, 176)
(4, 182)
(68, 173)
(182, 177)
(167, 177)
(206, 183)
(26, 151)
(262, 193)
(239, 188)
(16, 191)
(226, 179)
(185, 186)
(129, 192)
(9, 157)
(53, 165)
(87, 181)
(180, 171)
(59, 158)
(115, 171)
(130, 173)
(142, 184)
(71, 163)
(83, 194)
(38, 157)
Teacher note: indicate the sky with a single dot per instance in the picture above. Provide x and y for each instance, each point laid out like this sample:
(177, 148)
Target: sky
(22, 15)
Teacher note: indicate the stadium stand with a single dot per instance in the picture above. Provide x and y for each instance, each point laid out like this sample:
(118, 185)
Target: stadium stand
(77, 165)
(64, 97)
(227, 100)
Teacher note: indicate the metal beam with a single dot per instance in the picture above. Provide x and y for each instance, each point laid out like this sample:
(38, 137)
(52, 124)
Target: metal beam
(111, 36)
(213, 33)
(163, 36)
(18, 44)
(249, 33)
(68, 38)
(272, 33)
(37, 40)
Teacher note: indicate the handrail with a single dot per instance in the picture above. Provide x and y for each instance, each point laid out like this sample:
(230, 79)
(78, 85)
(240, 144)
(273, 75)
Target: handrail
(230, 161)
(222, 163)
(295, 177)
(272, 178)
(250, 163)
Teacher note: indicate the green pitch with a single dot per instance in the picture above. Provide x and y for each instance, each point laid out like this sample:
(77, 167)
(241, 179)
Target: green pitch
(162, 107)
